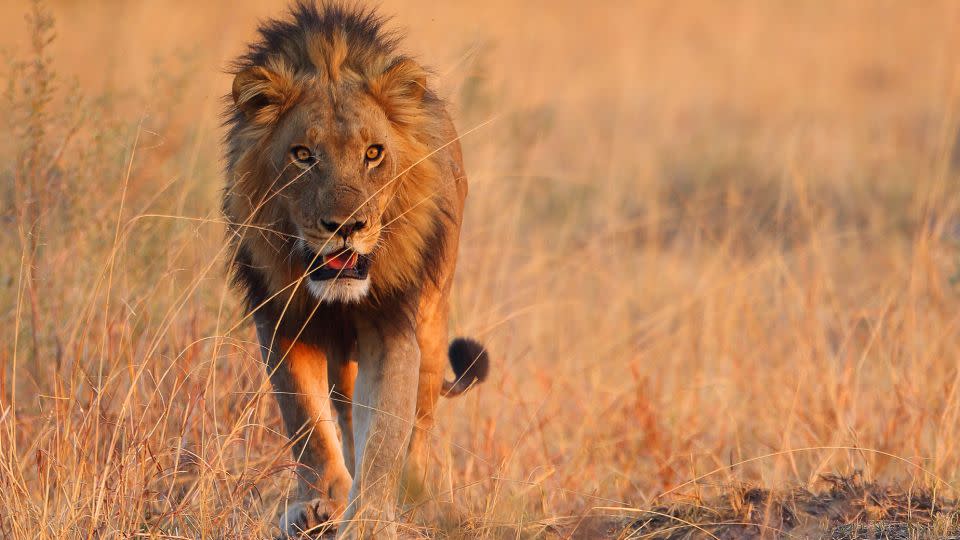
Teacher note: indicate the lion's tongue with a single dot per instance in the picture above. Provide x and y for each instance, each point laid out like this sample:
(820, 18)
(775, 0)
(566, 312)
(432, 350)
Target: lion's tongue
(340, 261)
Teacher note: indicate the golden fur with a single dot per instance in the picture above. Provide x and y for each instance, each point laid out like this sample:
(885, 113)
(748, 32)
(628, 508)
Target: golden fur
(327, 84)
(410, 199)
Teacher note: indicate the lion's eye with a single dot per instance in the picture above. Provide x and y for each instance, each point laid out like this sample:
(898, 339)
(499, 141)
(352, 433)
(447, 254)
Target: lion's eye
(302, 155)
(374, 155)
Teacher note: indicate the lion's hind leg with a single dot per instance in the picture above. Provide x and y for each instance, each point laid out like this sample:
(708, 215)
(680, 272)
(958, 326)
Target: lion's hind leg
(431, 337)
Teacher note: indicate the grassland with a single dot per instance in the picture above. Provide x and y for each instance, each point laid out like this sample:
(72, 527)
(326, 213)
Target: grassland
(710, 244)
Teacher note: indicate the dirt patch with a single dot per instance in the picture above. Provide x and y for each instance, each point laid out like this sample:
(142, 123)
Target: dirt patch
(845, 509)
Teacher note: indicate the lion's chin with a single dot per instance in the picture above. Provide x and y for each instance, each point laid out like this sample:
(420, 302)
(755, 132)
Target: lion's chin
(339, 290)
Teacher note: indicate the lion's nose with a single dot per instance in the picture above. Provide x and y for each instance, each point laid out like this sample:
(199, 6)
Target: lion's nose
(343, 229)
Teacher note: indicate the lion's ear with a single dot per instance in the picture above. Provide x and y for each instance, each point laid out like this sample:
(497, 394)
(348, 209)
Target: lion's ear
(400, 90)
(263, 95)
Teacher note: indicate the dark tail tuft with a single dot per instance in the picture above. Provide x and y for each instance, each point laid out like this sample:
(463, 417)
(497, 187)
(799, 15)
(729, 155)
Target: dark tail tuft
(470, 363)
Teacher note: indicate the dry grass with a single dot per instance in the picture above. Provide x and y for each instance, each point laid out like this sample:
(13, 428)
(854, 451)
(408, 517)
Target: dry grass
(708, 242)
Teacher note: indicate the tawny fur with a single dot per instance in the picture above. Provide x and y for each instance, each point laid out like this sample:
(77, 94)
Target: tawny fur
(330, 78)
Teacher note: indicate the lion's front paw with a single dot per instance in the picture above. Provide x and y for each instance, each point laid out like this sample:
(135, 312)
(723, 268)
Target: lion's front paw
(310, 519)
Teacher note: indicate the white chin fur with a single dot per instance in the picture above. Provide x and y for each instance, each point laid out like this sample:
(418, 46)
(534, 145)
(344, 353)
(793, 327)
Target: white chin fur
(339, 290)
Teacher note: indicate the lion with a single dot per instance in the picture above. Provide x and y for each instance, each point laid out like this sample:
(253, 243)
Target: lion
(345, 191)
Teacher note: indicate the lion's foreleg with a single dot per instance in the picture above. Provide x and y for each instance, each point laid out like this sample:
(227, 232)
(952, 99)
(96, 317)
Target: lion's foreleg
(384, 405)
(343, 373)
(298, 375)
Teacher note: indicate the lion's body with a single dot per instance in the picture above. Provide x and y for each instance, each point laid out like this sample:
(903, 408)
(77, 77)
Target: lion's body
(329, 84)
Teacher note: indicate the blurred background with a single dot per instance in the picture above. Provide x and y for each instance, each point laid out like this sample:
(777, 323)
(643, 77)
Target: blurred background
(708, 243)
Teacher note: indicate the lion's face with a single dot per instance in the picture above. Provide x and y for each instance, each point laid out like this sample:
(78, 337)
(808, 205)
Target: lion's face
(336, 154)
(337, 165)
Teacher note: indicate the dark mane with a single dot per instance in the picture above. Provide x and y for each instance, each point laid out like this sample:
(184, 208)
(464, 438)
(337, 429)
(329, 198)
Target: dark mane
(338, 47)
(326, 39)
(290, 39)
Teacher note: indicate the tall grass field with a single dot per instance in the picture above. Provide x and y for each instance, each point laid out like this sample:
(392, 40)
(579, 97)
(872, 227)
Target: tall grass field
(712, 247)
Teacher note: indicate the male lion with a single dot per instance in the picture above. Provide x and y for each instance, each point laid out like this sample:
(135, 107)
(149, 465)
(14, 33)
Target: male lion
(345, 192)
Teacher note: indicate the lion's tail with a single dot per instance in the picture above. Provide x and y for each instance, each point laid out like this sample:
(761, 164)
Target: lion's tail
(470, 363)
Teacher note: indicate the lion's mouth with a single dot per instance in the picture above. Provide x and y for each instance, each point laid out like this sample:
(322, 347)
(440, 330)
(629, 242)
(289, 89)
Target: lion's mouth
(346, 264)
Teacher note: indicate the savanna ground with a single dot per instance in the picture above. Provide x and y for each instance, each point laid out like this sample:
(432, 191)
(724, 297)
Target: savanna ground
(713, 246)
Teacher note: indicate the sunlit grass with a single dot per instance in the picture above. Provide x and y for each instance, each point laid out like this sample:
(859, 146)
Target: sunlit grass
(707, 244)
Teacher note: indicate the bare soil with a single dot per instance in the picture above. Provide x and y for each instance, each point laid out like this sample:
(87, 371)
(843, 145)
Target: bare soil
(845, 509)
